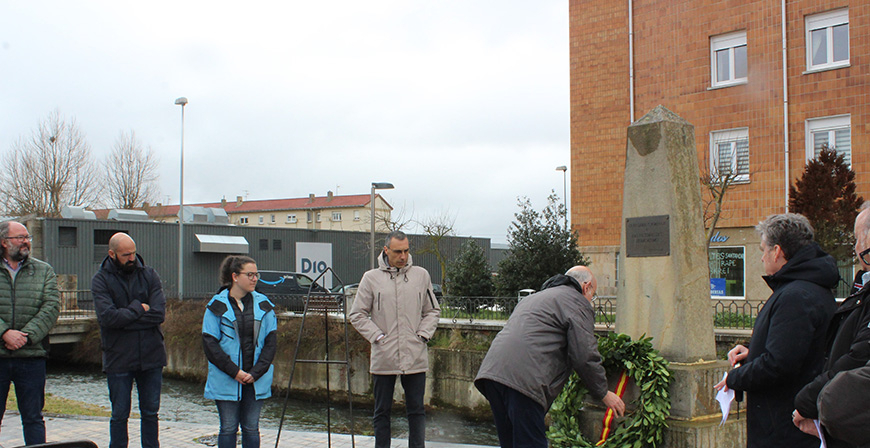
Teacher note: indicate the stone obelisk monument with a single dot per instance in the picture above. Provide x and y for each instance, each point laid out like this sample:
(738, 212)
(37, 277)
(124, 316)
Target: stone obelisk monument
(664, 286)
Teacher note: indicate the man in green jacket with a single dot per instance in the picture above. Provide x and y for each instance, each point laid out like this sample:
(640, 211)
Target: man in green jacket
(29, 306)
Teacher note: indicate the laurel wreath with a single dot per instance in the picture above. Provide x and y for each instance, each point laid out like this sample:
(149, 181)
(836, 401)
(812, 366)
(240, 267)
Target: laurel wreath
(644, 426)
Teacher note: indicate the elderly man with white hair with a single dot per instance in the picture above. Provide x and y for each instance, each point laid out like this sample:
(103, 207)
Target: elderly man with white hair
(549, 334)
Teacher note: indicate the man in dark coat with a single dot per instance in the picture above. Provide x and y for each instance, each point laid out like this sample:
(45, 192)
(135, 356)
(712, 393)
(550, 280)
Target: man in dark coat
(130, 306)
(549, 335)
(848, 337)
(788, 341)
(843, 409)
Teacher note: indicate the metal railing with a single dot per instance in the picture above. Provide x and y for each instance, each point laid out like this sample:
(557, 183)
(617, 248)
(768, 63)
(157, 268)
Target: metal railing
(76, 304)
(726, 313)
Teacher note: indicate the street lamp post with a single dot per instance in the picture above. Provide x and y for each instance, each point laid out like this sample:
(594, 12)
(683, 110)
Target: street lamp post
(376, 186)
(564, 170)
(181, 102)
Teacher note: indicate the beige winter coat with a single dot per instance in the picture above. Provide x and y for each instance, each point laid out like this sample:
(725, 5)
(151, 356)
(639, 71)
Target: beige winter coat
(400, 304)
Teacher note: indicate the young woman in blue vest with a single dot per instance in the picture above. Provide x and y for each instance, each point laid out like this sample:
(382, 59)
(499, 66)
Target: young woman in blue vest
(238, 335)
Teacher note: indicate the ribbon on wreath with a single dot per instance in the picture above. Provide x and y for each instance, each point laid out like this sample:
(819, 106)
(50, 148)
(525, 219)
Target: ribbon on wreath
(609, 416)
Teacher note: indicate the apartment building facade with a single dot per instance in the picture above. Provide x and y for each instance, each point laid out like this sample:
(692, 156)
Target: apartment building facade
(765, 83)
(331, 212)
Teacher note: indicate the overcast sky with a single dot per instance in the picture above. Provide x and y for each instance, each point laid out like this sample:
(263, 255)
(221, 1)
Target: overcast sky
(462, 105)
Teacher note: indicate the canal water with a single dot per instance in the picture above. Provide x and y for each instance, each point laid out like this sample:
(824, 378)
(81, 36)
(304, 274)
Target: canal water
(182, 401)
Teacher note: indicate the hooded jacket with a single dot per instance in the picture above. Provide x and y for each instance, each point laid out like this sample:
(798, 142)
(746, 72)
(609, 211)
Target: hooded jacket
(400, 304)
(131, 337)
(787, 347)
(219, 323)
(549, 334)
(30, 305)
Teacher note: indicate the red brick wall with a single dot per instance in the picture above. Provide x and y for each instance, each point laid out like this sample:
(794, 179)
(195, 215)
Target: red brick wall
(672, 68)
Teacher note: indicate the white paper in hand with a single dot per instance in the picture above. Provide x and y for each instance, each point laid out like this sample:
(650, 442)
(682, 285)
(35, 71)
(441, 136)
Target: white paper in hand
(725, 398)
(821, 434)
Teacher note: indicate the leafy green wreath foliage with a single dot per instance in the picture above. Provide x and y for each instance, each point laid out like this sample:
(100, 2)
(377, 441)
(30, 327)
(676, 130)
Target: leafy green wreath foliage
(643, 427)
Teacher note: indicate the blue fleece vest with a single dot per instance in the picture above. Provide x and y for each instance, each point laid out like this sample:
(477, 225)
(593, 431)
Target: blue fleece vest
(224, 328)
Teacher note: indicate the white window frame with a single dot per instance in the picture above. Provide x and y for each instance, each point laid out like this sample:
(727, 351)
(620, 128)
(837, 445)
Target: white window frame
(356, 215)
(336, 216)
(243, 220)
(291, 218)
(308, 216)
(725, 136)
(273, 219)
(261, 219)
(743, 297)
(831, 125)
(827, 20)
(729, 42)
(318, 217)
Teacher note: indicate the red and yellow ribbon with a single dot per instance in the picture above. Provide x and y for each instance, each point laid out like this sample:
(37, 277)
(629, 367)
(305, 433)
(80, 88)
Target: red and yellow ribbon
(609, 415)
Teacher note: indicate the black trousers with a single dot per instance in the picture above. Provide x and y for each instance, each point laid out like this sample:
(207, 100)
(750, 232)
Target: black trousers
(415, 386)
(518, 419)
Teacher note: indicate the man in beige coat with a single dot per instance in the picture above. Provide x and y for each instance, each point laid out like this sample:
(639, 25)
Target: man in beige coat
(396, 310)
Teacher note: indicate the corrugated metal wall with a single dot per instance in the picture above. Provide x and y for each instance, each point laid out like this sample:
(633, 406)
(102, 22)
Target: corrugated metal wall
(77, 247)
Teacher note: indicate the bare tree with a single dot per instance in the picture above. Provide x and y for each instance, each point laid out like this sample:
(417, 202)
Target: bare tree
(50, 169)
(131, 173)
(436, 228)
(717, 184)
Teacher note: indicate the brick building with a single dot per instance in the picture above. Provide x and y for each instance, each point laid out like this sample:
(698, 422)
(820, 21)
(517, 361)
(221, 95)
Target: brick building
(720, 65)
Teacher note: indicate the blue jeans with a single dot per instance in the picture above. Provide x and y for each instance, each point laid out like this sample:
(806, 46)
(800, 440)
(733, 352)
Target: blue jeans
(148, 384)
(245, 413)
(28, 375)
(519, 420)
(415, 386)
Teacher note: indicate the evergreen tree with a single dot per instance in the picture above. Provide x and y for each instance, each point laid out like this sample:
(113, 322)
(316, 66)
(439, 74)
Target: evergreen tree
(540, 246)
(469, 274)
(825, 194)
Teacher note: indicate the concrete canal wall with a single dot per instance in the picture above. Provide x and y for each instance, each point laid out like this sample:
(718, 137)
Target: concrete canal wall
(455, 354)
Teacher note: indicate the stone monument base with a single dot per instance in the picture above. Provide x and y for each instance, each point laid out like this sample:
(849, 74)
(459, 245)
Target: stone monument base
(696, 433)
(695, 413)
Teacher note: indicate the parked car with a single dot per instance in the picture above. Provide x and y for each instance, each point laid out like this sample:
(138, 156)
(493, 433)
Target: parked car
(348, 290)
(287, 289)
(436, 288)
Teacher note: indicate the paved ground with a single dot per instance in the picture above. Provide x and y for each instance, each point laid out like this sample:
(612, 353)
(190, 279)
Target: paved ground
(174, 434)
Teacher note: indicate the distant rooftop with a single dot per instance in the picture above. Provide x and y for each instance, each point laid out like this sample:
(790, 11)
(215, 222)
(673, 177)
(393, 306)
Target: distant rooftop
(240, 205)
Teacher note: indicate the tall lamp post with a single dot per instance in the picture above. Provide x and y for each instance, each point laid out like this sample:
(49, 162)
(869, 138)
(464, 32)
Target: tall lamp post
(564, 170)
(376, 186)
(181, 102)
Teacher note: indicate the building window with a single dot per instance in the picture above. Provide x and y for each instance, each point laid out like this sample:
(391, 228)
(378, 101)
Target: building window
(273, 219)
(243, 220)
(67, 236)
(318, 216)
(308, 216)
(276, 244)
(356, 215)
(264, 244)
(729, 154)
(261, 219)
(291, 218)
(336, 216)
(727, 272)
(728, 59)
(828, 40)
(833, 132)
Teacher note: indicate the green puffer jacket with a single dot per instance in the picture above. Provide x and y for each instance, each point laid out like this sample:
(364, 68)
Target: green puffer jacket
(31, 306)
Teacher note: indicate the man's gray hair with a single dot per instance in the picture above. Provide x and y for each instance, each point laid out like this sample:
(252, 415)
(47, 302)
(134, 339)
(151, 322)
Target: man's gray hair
(862, 225)
(395, 234)
(790, 231)
(581, 275)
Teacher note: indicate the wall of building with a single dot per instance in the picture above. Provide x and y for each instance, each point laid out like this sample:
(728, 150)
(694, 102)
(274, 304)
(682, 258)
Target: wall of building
(71, 247)
(672, 68)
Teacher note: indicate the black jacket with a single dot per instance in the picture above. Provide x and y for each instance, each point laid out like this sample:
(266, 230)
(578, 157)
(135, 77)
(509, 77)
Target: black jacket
(843, 408)
(848, 348)
(787, 347)
(131, 337)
